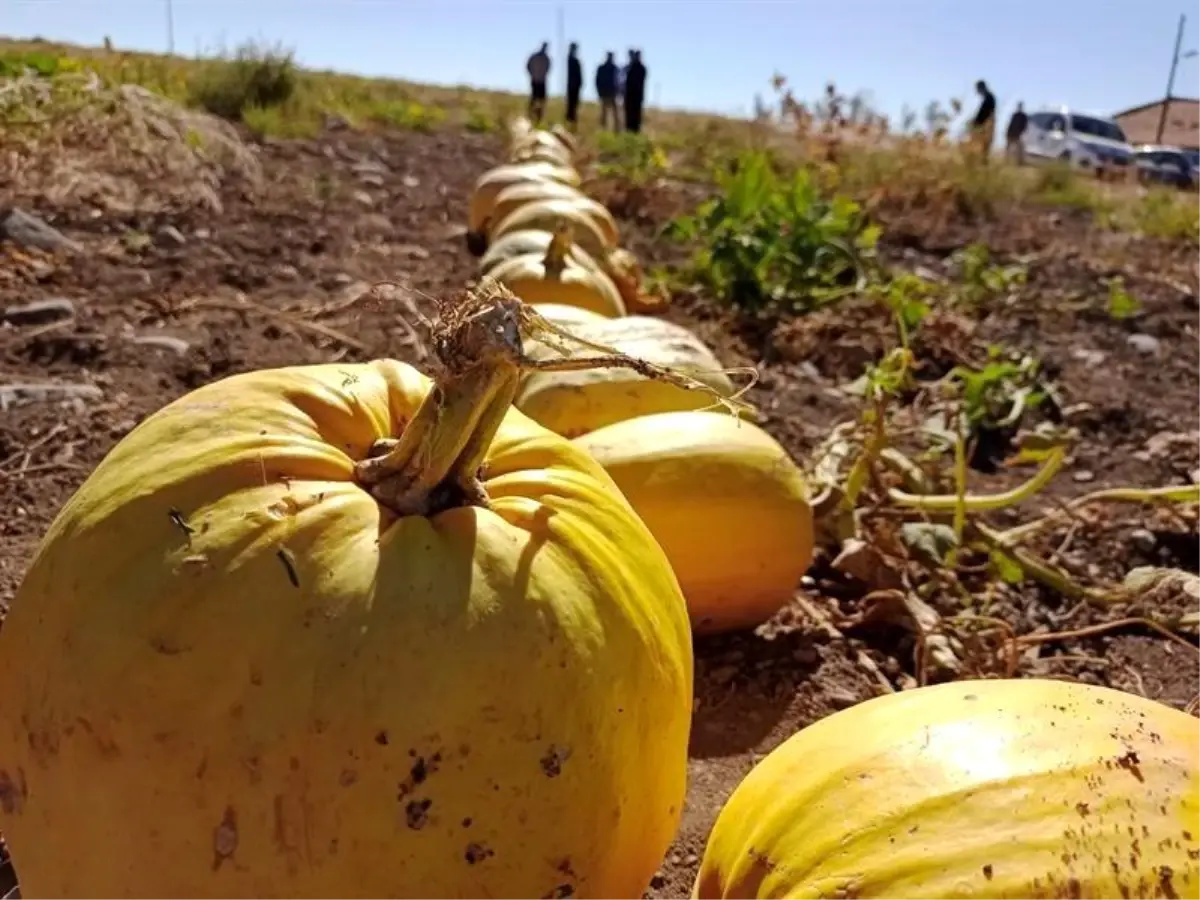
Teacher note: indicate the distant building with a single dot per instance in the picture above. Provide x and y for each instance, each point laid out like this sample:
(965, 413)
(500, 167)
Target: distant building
(1182, 128)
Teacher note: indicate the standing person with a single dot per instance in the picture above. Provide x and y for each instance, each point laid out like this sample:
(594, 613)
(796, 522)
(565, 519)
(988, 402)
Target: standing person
(606, 89)
(574, 84)
(635, 92)
(538, 68)
(1015, 151)
(983, 126)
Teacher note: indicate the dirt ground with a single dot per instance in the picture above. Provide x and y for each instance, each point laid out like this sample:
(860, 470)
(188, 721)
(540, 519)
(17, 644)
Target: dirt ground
(168, 302)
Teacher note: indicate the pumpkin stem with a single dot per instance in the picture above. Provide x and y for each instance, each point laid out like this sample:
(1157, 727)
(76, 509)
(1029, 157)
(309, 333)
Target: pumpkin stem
(436, 462)
(555, 260)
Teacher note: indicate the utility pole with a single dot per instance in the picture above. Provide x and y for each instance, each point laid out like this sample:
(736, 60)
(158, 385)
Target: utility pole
(170, 29)
(1162, 119)
(560, 50)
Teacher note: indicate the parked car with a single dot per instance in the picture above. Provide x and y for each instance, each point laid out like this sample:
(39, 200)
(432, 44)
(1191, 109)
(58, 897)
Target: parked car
(1166, 165)
(1090, 142)
(1193, 157)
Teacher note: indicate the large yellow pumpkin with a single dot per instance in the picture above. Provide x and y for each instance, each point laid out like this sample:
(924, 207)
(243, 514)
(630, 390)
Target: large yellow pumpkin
(574, 403)
(621, 266)
(526, 242)
(540, 146)
(253, 659)
(568, 317)
(554, 277)
(593, 225)
(523, 193)
(1014, 788)
(491, 182)
(725, 501)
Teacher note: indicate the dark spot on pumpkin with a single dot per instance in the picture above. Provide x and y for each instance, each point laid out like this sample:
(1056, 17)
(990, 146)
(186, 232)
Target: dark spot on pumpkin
(552, 762)
(12, 792)
(202, 768)
(1082, 809)
(466, 823)
(347, 778)
(971, 697)
(477, 853)
(1130, 762)
(423, 768)
(1166, 886)
(1074, 889)
(564, 866)
(987, 871)
(416, 813)
(225, 838)
(294, 764)
(560, 891)
(382, 738)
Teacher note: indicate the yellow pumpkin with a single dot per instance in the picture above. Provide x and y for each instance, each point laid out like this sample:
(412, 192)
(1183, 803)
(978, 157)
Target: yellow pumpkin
(563, 134)
(564, 316)
(491, 182)
(254, 658)
(515, 196)
(594, 228)
(621, 266)
(574, 403)
(725, 501)
(552, 277)
(526, 242)
(1011, 788)
(540, 146)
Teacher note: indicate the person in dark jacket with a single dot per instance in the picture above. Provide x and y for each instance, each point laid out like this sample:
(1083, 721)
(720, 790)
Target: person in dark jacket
(635, 92)
(983, 126)
(574, 83)
(1015, 149)
(538, 67)
(606, 89)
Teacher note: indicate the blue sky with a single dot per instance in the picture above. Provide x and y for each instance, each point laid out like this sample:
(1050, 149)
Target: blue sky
(1097, 55)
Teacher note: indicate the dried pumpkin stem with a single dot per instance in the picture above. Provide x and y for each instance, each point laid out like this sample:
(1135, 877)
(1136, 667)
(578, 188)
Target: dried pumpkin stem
(555, 260)
(436, 463)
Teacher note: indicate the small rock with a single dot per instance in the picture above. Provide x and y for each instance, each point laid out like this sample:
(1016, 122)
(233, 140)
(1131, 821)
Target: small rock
(839, 698)
(364, 198)
(171, 236)
(11, 394)
(413, 251)
(1090, 358)
(343, 278)
(1144, 343)
(28, 230)
(410, 181)
(372, 179)
(1143, 539)
(1084, 475)
(365, 167)
(164, 342)
(202, 234)
(691, 859)
(39, 312)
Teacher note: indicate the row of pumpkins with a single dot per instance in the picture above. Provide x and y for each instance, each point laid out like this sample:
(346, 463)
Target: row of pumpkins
(723, 499)
(342, 630)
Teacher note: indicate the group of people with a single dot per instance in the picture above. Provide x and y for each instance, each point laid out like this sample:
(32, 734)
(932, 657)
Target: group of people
(624, 85)
(983, 126)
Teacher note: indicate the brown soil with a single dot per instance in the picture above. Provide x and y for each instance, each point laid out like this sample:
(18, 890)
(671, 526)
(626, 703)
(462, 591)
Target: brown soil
(350, 209)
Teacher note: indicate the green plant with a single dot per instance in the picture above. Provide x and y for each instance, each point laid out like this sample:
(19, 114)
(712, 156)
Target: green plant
(254, 77)
(981, 279)
(407, 114)
(768, 240)
(998, 394)
(633, 157)
(1121, 304)
(479, 120)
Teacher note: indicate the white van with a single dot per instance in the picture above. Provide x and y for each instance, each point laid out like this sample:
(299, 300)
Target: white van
(1091, 142)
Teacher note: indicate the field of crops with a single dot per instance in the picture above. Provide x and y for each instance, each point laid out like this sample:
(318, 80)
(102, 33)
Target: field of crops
(967, 398)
